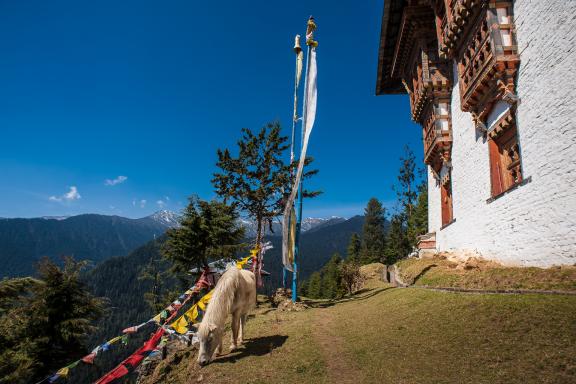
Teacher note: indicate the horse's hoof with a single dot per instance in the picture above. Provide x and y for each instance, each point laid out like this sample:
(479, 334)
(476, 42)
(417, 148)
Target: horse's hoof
(233, 348)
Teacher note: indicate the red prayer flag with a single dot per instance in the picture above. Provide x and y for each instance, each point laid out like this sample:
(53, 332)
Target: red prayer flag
(89, 359)
(134, 359)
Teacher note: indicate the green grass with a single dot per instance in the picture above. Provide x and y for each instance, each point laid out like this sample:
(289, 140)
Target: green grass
(394, 335)
(277, 349)
(419, 336)
(439, 272)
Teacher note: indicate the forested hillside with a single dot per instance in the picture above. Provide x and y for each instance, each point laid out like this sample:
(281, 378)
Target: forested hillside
(117, 279)
(85, 237)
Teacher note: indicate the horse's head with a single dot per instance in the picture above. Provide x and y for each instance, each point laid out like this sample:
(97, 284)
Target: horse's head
(209, 336)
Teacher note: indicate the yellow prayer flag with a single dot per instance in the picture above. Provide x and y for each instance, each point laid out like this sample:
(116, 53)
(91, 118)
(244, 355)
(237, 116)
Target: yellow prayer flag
(112, 341)
(194, 314)
(191, 315)
(180, 325)
(240, 264)
(63, 372)
(292, 236)
(204, 300)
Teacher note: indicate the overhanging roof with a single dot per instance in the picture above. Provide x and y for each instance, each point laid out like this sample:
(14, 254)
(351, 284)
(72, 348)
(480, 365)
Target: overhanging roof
(391, 19)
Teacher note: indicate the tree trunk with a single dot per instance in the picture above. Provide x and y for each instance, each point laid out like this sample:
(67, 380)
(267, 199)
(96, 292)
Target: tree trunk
(258, 231)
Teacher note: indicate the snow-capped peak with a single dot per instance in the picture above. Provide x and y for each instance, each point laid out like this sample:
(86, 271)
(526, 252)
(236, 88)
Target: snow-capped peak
(59, 218)
(168, 218)
(308, 223)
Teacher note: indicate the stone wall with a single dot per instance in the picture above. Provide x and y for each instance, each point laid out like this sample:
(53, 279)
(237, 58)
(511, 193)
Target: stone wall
(534, 224)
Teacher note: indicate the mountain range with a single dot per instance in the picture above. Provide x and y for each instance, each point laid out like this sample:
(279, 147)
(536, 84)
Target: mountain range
(90, 236)
(308, 224)
(98, 237)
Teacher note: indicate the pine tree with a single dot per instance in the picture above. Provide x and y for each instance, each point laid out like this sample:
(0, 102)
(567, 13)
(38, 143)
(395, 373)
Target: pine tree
(397, 244)
(354, 248)
(158, 274)
(60, 316)
(411, 219)
(331, 278)
(208, 230)
(258, 179)
(17, 364)
(418, 222)
(373, 233)
(255, 178)
(315, 286)
(303, 289)
(406, 190)
(12, 290)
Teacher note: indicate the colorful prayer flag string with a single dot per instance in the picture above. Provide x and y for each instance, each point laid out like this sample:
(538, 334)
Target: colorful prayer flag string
(180, 326)
(158, 319)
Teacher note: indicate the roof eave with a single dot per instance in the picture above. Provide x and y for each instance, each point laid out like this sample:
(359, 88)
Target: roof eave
(385, 84)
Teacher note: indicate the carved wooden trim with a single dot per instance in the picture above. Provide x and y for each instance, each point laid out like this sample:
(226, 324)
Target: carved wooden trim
(488, 60)
(507, 121)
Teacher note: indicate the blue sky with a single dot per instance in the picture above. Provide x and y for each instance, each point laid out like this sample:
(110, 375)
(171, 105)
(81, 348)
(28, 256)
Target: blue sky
(147, 90)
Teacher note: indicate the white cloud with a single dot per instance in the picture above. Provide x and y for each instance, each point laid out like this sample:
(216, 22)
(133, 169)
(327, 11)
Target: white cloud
(142, 203)
(118, 180)
(161, 204)
(71, 195)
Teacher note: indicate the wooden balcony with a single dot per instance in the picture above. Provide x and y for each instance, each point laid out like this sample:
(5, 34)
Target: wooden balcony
(419, 92)
(459, 14)
(487, 65)
(430, 80)
(437, 140)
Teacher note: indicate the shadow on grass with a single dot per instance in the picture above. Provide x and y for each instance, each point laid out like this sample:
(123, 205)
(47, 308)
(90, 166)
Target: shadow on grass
(258, 346)
(422, 272)
(362, 294)
(265, 312)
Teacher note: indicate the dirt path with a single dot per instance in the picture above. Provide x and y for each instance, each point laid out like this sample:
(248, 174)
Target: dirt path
(340, 368)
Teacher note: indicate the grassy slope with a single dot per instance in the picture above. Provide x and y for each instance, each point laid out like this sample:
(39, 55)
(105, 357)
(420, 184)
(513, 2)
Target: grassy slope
(439, 272)
(400, 336)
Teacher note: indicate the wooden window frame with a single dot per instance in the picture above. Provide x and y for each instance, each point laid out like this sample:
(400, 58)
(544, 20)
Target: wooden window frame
(446, 203)
(505, 156)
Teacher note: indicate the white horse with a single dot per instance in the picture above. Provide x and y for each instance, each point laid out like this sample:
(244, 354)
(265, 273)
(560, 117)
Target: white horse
(235, 293)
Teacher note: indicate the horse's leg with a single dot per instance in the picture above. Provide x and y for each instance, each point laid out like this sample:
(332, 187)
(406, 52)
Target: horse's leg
(235, 326)
(242, 325)
(220, 346)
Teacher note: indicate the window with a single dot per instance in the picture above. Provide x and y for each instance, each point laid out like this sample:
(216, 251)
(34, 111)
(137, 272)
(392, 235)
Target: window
(446, 204)
(505, 168)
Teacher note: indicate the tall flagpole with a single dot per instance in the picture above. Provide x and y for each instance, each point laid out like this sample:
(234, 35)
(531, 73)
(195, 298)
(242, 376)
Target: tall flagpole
(309, 42)
(297, 74)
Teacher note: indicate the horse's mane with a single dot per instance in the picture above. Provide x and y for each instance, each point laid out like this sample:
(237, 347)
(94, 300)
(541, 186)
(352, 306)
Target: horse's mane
(222, 298)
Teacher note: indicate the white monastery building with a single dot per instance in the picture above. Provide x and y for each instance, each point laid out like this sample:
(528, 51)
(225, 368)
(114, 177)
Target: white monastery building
(492, 83)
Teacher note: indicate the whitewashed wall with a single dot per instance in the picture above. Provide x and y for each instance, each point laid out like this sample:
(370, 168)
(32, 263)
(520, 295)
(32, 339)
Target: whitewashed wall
(534, 224)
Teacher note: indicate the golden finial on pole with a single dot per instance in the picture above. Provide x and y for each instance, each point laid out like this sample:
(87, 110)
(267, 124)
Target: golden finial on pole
(311, 26)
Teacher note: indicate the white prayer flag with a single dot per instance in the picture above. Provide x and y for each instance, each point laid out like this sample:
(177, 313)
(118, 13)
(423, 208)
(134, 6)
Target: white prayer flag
(308, 117)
